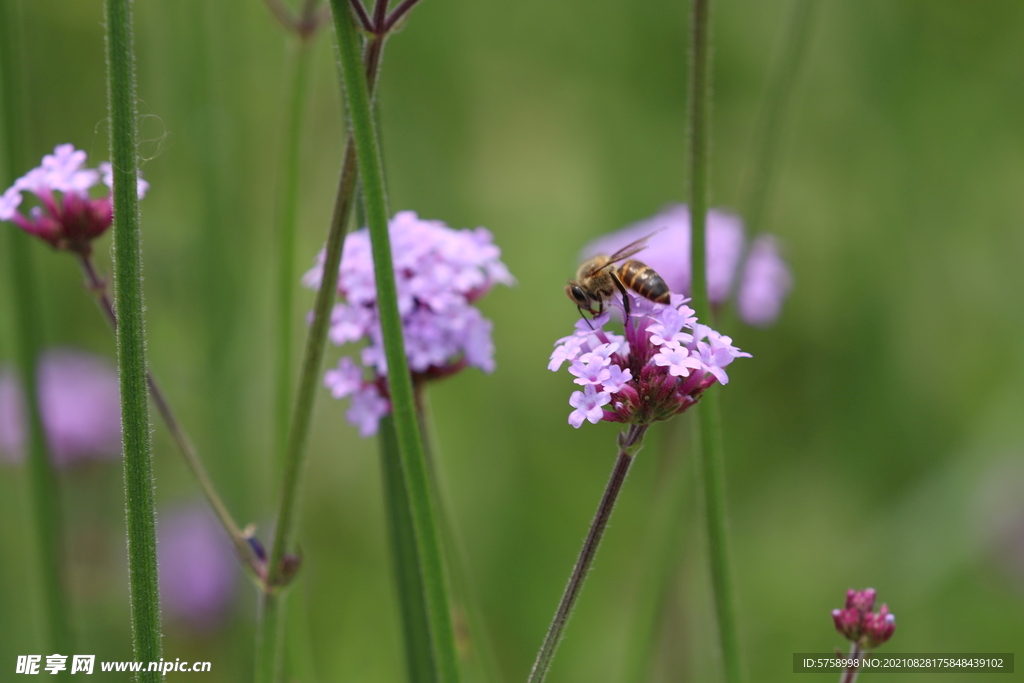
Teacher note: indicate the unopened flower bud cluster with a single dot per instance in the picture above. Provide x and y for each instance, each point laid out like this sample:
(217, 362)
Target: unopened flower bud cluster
(859, 624)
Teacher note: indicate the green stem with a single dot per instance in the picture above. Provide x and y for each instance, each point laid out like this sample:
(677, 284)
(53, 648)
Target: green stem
(131, 340)
(405, 559)
(713, 479)
(286, 233)
(417, 485)
(630, 443)
(699, 128)
(250, 563)
(663, 548)
(465, 596)
(268, 631)
(768, 129)
(850, 673)
(712, 458)
(45, 494)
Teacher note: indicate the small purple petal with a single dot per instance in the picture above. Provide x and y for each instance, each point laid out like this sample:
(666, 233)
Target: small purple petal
(569, 350)
(349, 323)
(670, 323)
(107, 173)
(617, 378)
(590, 371)
(588, 405)
(677, 359)
(63, 171)
(601, 353)
(367, 408)
(344, 380)
(9, 203)
(478, 345)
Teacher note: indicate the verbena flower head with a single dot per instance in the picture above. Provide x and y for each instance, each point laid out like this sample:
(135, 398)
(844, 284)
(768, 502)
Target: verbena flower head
(79, 402)
(197, 566)
(858, 624)
(763, 284)
(659, 368)
(66, 216)
(439, 273)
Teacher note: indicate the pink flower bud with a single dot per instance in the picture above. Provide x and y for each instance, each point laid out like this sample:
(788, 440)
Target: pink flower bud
(863, 601)
(878, 627)
(859, 624)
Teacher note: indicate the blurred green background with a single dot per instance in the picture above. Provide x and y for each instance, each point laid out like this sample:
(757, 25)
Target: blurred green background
(875, 439)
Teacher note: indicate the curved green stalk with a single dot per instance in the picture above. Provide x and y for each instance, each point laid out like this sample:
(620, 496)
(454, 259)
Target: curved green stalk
(268, 633)
(465, 598)
(630, 442)
(268, 630)
(417, 486)
(131, 341)
(286, 232)
(28, 342)
(663, 554)
(710, 433)
(252, 565)
(419, 658)
(663, 547)
(713, 479)
(768, 129)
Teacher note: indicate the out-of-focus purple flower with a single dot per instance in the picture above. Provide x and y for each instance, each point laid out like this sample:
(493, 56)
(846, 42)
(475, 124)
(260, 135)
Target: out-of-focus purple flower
(765, 281)
(439, 273)
(660, 367)
(765, 284)
(858, 624)
(66, 217)
(197, 566)
(79, 400)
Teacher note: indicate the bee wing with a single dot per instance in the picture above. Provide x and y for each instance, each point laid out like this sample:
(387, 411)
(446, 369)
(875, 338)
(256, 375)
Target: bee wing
(629, 250)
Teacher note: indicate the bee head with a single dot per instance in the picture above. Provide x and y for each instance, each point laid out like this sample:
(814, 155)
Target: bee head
(577, 295)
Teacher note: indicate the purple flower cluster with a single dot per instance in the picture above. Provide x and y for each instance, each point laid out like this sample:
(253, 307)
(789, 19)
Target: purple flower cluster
(439, 273)
(859, 624)
(67, 218)
(79, 399)
(765, 279)
(658, 369)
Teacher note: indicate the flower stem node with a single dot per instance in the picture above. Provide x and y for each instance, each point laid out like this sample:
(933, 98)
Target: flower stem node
(659, 368)
(858, 624)
(290, 564)
(67, 217)
(440, 273)
(249, 533)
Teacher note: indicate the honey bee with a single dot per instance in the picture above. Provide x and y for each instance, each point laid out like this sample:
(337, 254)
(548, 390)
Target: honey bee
(598, 278)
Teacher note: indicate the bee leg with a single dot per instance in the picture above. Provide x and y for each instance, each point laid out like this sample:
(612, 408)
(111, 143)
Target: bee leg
(580, 309)
(625, 300)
